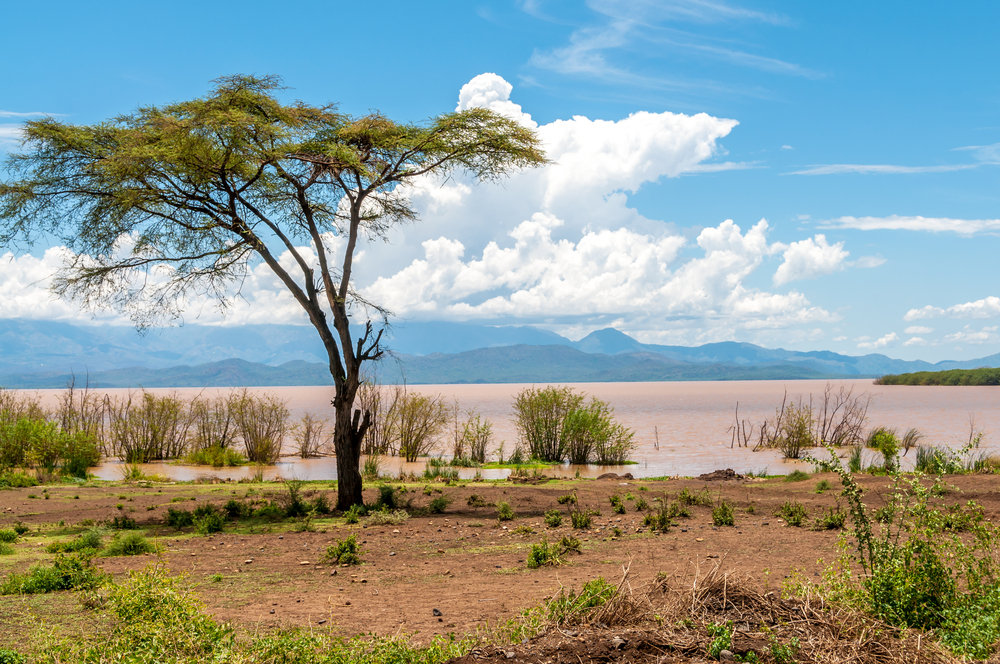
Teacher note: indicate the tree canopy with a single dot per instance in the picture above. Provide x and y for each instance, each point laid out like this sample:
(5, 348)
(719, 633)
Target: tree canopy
(183, 199)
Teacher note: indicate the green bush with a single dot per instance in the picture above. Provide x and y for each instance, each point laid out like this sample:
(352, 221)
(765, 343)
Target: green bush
(567, 499)
(543, 553)
(353, 514)
(553, 518)
(641, 505)
(12, 657)
(237, 509)
(67, 572)
(703, 498)
(505, 512)
(8, 535)
(6, 549)
(270, 512)
(439, 505)
(16, 480)
(722, 514)
(179, 518)
(833, 519)
(90, 539)
(823, 486)
(122, 522)
(793, 512)
(215, 456)
(797, 476)
(345, 552)
(130, 544)
(213, 522)
(581, 520)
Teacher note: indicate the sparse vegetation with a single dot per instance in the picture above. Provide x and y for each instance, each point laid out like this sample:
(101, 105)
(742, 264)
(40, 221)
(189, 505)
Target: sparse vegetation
(345, 552)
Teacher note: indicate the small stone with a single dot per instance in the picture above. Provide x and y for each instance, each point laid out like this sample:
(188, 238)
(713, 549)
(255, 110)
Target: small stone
(392, 553)
(618, 642)
(510, 654)
(726, 656)
(272, 610)
(321, 622)
(281, 537)
(436, 612)
(248, 561)
(347, 603)
(304, 562)
(440, 550)
(364, 580)
(395, 532)
(333, 573)
(699, 539)
(763, 523)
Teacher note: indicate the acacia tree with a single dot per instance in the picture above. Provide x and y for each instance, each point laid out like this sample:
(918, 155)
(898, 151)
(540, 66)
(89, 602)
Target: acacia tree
(182, 200)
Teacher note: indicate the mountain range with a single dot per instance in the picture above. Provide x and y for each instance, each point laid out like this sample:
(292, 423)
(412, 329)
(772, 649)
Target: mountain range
(45, 354)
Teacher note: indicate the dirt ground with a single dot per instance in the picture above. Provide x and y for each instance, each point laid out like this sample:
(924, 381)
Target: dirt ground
(463, 564)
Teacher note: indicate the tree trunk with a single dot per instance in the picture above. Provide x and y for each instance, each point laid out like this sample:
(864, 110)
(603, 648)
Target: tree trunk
(348, 433)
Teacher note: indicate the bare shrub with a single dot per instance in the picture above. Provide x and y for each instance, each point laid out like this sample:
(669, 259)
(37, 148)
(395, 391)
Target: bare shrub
(82, 411)
(383, 404)
(17, 405)
(477, 436)
(213, 424)
(262, 422)
(419, 420)
(310, 436)
(148, 428)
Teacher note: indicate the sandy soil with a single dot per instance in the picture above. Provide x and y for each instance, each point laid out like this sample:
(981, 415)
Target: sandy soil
(463, 563)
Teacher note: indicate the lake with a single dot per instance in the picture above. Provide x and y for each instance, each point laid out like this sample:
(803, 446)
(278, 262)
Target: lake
(689, 419)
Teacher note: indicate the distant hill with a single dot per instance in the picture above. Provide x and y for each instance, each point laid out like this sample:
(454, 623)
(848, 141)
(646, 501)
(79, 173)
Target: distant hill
(36, 352)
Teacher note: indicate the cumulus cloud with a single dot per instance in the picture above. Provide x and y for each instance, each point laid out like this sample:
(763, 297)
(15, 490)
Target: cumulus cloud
(918, 329)
(930, 224)
(492, 92)
(604, 273)
(915, 341)
(810, 258)
(881, 342)
(986, 335)
(987, 307)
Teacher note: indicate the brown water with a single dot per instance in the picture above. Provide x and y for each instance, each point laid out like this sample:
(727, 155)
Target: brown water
(690, 418)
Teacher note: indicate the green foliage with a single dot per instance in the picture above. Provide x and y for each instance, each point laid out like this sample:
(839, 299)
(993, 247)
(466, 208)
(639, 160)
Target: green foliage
(90, 539)
(570, 607)
(216, 456)
(796, 476)
(67, 572)
(617, 506)
(130, 544)
(179, 518)
(505, 512)
(781, 653)
(722, 514)
(10, 479)
(293, 501)
(387, 517)
(8, 535)
(553, 518)
(388, 498)
(12, 657)
(793, 512)
(439, 505)
(6, 549)
(703, 498)
(580, 519)
(20, 528)
(982, 376)
(354, 514)
(795, 430)
(475, 500)
(345, 551)
(32, 441)
(237, 509)
(567, 499)
(544, 553)
(833, 519)
(641, 505)
(822, 486)
(885, 441)
(722, 639)
(211, 522)
(122, 522)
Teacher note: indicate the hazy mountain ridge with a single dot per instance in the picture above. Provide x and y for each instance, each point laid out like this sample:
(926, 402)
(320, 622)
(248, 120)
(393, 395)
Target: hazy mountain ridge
(33, 353)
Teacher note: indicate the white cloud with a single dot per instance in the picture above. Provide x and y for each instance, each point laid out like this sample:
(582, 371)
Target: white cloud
(984, 153)
(915, 341)
(884, 169)
(840, 338)
(865, 262)
(881, 342)
(10, 135)
(931, 224)
(492, 92)
(986, 335)
(604, 273)
(810, 258)
(787, 147)
(918, 329)
(988, 307)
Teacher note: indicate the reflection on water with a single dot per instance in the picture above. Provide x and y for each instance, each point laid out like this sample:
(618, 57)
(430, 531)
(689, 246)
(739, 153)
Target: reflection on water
(690, 420)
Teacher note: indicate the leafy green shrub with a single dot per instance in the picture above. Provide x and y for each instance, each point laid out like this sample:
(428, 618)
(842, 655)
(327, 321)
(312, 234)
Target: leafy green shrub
(387, 498)
(641, 505)
(569, 543)
(122, 522)
(211, 522)
(6, 549)
(722, 639)
(130, 544)
(67, 572)
(796, 476)
(567, 499)
(566, 607)
(90, 539)
(793, 512)
(823, 486)
(885, 441)
(543, 553)
(16, 480)
(354, 514)
(215, 456)
(676, 510)
(269, 512)
(581, 520)
(20, 528)
(439, 505)
(8, 535)
(179, 518)
(12, 657)
(617, 506)
(722, 514)
(237, 509)
(703, 498)
(833, 519)
(505, 512)
(321, 505)
(345, 552)
(553, 518)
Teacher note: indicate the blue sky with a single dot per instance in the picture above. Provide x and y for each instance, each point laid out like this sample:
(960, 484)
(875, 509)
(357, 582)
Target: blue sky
(855, 120)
